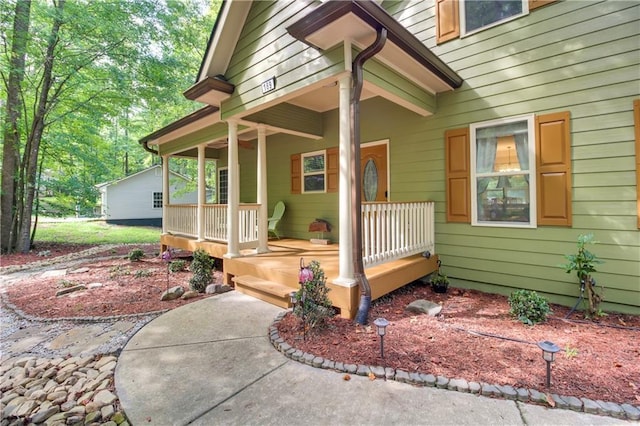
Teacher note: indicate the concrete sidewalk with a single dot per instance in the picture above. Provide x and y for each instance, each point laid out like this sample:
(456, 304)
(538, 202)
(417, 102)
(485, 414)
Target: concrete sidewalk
(211, 362)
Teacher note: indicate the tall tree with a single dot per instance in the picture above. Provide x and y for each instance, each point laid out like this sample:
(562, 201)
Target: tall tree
(11, 137)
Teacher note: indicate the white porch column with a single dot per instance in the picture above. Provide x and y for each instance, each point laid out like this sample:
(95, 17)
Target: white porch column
(202, 191)
(165, 192)
(345, 250)
(263, 212)
(233, 192)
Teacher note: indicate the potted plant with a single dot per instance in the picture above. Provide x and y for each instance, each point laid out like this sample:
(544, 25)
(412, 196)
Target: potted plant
(439, 283)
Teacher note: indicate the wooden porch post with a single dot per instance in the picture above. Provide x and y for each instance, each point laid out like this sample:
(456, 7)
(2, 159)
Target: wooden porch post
(345, 250)
(165, 192)
(233, 192)
(263, 213)
(202, 191)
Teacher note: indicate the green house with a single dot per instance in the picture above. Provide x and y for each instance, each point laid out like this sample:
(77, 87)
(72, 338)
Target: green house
(485, 135)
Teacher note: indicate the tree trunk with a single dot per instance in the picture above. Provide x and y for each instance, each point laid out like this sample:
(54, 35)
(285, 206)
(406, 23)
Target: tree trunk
(11, 147)
(37, 130)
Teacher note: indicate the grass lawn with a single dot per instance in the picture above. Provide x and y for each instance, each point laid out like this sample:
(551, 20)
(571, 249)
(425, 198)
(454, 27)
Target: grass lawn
(95, 232)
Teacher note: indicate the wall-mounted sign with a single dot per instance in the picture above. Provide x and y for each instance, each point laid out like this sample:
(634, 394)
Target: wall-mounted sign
(269, 85)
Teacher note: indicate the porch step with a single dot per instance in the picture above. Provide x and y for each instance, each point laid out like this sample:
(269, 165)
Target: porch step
(269, 291)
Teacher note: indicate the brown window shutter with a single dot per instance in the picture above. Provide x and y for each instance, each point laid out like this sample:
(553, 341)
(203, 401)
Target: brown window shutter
(553, 160)
(534, 4)
(333, 167)
(457, 175)
(447, 20)
(636, 119)
(296, 174)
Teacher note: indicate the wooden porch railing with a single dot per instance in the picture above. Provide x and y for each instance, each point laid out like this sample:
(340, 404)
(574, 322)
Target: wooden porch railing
(395, 230)
(389, 230)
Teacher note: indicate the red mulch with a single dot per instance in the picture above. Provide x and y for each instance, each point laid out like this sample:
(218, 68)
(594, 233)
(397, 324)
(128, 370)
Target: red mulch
(598, 360)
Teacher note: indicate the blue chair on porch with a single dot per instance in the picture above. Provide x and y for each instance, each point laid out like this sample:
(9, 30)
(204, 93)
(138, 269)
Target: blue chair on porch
(278, 212)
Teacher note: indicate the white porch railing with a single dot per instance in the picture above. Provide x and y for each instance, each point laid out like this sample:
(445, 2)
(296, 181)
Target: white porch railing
(182, 219)
(389, 230)
(396, 230)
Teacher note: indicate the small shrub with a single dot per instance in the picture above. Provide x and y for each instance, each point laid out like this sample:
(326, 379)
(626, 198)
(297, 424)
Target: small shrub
(142, 273)
(66, 284)
(528, 306)
(202, 269)
(118, 271)
(177, 265)
(135, 255)
(314, 306)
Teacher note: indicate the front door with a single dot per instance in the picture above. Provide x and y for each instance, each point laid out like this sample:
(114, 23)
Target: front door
(373, 172)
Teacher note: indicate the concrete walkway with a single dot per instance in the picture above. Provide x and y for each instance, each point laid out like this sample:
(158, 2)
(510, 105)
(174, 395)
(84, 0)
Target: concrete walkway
(211, 362)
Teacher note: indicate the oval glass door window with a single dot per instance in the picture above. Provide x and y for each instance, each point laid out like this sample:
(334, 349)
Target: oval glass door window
(370, 181)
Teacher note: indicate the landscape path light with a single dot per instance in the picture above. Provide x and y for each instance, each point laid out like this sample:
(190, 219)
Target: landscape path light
(381, 327)
(549, 350)
(293, 298)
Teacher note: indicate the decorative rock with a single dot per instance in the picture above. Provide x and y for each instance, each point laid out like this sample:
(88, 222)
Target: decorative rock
(351, 368)
(461, 385)
(363, 370)
(94, 285)
(172, 294)
(422, 306)
(508, 392)
(574, 403)
(442, 382)
(378, 372)
(189, 295)
(308, 358)
(105, 397)
(118, 418)
(474, 387)
(284, 347)
(560, 402)
(523, 394)
(328, 364)
(92, 417)
(79, 270)
(317, 361)
(429, 379)
(389, 373)
(415, 379)
(489, 390)
(537, 396)
(402, 376)
(631, 412)
(612, 409)
(211, 289)
(43, 415)
(68, 290)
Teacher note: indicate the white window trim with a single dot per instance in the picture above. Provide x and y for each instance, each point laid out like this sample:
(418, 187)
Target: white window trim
(303, 174)
(533, 216)
(153, 200)
(463, 21)
(218, 185)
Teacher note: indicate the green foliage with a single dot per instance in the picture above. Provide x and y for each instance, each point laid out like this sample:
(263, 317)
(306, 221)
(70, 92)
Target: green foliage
(135, 255)
(439, 281)
(314, 306)
(118, 271)
(202, 269)
(177, 265)
(570, 352)
(142, 273)
(583, 263)
(95, 232)
(528, 306)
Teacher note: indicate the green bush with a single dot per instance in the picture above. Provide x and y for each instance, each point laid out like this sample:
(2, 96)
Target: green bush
(135, 255)
(313, 306)
(528, 306)
(202, 269)
(142, 273)
(177, 265)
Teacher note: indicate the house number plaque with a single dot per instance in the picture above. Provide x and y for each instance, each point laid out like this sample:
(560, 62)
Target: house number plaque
(269, 85)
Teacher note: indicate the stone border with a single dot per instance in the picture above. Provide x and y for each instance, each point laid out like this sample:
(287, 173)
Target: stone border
(618, 411)
(13, 308)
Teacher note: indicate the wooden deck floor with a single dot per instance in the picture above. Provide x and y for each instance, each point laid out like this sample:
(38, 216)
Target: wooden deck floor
(282, 263)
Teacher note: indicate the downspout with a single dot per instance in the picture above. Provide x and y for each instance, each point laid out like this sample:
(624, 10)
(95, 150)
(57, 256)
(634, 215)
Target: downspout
(356, 187)
(145, 145)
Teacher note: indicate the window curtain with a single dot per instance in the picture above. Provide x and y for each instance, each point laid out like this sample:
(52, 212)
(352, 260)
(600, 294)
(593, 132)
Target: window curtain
(522, 150)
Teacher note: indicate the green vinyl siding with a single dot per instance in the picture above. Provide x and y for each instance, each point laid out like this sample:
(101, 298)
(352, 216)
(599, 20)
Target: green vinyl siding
(581, 57)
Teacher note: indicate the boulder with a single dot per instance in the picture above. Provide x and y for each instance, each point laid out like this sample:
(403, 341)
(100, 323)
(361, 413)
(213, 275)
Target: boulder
(422, 306)
(172, 293)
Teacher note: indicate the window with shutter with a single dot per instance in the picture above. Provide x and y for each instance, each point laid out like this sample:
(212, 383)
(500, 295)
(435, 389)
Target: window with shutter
(636, 119)
(461, 17)
(457, 175)
(553, 155)
(499, 172)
